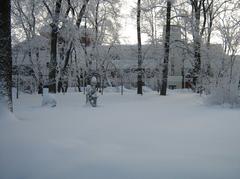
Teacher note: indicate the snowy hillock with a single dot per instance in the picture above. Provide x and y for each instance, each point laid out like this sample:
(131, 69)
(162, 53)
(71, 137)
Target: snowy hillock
(180, 91)
(5, 115)
(117, 89)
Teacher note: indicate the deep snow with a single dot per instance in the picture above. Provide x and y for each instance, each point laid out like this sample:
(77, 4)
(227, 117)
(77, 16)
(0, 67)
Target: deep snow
(125, 137)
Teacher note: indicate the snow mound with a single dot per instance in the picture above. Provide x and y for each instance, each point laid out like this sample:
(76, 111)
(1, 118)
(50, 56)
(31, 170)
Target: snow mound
(112, 89)
(180, 91)
(147, 89)
(5, 114)
(116, 89)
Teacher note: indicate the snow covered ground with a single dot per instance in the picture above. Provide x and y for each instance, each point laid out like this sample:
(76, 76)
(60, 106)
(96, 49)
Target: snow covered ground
(125, 137)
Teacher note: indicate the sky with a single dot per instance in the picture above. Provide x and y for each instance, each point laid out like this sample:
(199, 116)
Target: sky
(128, 32)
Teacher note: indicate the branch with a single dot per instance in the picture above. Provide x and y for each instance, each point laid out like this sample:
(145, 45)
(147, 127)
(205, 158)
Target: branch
(47, 7)
(70, 8)
(81, 13)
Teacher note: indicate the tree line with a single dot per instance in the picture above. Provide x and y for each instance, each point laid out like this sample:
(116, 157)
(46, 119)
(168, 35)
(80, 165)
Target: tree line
(73, 26)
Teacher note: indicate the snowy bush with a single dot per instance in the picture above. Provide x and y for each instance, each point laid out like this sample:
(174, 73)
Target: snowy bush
(48, 99)
(147, 89)
(225, 92)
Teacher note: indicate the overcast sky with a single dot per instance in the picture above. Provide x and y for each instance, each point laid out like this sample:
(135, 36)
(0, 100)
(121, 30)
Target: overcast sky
(128, 33)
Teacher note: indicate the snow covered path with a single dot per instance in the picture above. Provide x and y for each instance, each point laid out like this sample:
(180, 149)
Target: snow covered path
(126, 137)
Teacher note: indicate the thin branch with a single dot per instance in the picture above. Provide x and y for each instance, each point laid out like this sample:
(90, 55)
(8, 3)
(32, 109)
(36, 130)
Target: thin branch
(47, 7)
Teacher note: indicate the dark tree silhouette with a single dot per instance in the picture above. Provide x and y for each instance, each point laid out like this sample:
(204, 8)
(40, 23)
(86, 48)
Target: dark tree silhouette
(166, 49)
(5, 53)
(139, 75)
(53, 58)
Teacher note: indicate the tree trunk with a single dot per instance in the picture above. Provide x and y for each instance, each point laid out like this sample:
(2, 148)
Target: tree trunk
(139, 71)
(197, 34)
(197, 45)
(53, 53)
(163, 91)
(5, 54)
(53, 61)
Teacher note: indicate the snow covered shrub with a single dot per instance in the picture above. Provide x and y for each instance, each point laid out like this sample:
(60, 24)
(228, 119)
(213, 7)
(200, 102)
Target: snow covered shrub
(226, 91)
(48, 99)
(147, 89)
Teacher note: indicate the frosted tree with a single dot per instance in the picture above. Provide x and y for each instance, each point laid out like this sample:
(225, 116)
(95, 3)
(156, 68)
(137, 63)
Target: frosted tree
(54, 37)
(226, 76)
(103, 17)
(197, 33)
(27, 19)
(70, 33)
(64, 29)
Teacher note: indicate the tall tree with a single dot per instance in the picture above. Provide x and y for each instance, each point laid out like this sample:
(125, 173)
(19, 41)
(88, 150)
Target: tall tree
(139, 75)
(53, 51)
(5, 54)
(200, 10)
(54, 37)
(196, 10)
(166, 50)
